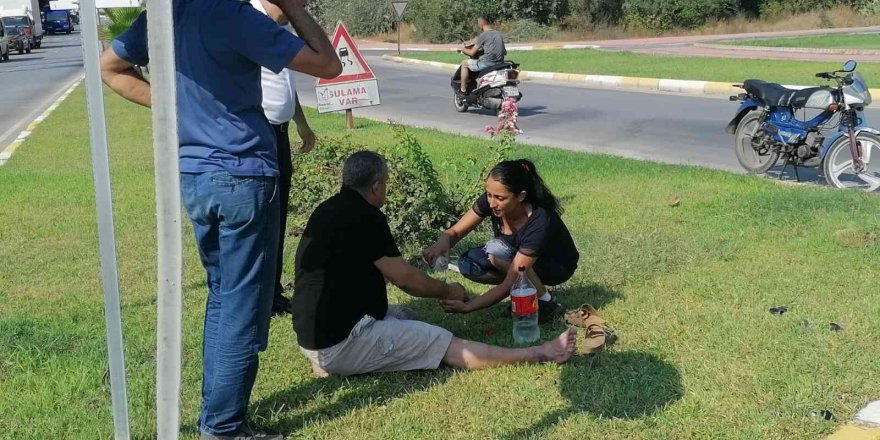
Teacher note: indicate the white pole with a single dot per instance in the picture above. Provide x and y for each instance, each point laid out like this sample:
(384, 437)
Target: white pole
(160, 28)
(104, 207)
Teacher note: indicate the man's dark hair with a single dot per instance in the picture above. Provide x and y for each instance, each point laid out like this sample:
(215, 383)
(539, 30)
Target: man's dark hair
(363, 169)
(486, 18)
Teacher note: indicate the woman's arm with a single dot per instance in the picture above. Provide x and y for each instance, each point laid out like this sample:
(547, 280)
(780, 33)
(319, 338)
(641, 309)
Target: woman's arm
(499, 292)
(451, 236)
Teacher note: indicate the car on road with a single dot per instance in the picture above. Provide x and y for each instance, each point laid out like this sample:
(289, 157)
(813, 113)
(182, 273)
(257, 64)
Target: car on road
(17, 38)
(24, 13)
(28, 30)
(4, 45)
(58, 21)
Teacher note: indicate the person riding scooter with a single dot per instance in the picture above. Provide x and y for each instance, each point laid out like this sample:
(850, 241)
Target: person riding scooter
(490, 48)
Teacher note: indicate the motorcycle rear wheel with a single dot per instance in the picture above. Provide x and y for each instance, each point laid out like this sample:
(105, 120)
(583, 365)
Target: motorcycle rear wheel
(838, 164)
(750, 159)
(460, 105)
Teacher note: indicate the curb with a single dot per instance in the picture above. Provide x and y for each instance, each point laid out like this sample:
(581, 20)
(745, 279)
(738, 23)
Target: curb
(509, 48)
(606, 81)
(10, 150)
(866, 425)
(686, 87)
(826, 51)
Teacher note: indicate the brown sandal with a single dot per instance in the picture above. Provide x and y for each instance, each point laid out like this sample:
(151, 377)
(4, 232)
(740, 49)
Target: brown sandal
(597, 338)
(597, 335)
(584, 317)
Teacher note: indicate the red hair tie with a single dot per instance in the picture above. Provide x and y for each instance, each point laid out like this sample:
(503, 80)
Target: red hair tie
(525, 166)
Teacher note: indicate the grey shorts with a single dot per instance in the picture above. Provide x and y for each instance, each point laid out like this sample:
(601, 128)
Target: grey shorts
(396, 343)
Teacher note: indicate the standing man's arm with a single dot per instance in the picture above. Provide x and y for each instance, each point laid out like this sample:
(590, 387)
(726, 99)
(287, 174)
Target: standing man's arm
(302, 128)
(118, 61)
(299, 118)
(317, 58)
(123, 79)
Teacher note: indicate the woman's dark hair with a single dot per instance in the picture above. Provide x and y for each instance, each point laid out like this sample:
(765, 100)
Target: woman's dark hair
(521, 175)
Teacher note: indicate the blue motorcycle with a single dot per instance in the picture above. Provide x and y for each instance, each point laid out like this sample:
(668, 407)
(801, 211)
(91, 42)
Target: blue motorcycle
(767, 127)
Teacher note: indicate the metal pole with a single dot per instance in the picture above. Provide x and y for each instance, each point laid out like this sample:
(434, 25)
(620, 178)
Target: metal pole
(104, 208)
(160, 28)
(398, 37)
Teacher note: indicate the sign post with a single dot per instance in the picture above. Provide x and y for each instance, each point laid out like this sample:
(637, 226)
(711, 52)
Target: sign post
(399, 10)
(357, 85)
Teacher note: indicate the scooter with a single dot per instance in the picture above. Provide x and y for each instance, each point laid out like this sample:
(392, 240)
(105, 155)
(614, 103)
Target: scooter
(487, 88)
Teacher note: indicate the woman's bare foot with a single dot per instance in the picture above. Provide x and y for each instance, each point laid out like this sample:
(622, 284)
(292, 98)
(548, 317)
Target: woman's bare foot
(560, 349)
(319, 372)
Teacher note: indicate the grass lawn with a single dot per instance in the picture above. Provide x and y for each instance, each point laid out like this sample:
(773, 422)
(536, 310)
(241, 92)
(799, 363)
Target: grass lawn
(687, 288)
(595, 62)
(857, 41)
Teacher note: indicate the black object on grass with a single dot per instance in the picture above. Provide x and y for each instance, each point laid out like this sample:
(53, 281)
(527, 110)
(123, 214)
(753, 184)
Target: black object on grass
(778, 310)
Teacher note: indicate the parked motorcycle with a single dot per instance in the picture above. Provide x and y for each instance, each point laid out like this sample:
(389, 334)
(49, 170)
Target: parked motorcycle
(766, 128)
(487, 88)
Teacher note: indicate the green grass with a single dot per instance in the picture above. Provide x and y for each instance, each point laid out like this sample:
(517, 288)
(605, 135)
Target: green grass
(595, 62)
(858, 41)
(687, 288)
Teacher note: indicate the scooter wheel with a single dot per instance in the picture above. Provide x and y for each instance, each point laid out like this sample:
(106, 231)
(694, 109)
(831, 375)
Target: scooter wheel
(460, 105)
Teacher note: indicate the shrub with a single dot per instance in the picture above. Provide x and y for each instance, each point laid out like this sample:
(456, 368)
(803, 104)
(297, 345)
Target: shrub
(869, 7)
(669, 14)
(418, 208)
(443, 21)
(526, 30)
(361, 17)
(773, 8)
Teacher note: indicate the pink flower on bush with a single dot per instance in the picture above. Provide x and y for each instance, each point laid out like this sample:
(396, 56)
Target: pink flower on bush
(507, 117)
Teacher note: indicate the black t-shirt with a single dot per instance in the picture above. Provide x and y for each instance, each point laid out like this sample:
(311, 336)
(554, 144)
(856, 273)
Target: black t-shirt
(337, 283)
(543, 236)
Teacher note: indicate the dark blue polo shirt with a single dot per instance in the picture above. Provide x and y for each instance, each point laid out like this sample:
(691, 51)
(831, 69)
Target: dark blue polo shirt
(219, 47)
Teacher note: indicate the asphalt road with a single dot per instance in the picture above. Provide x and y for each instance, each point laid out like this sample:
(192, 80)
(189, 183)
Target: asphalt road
(30, 83)
(660, 127)
(665, 128)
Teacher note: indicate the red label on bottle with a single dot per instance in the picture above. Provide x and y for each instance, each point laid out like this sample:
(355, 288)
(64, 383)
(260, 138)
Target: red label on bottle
(524, 305)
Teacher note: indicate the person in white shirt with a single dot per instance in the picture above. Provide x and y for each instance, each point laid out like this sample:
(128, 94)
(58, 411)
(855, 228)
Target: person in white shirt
(281, 105)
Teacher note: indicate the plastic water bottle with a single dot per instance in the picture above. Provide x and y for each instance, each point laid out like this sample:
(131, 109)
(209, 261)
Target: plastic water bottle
(441, 264)
(524, 300)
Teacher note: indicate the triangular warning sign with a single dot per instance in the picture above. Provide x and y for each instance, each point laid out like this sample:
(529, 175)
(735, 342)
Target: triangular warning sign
(400, 8)
(354, 68)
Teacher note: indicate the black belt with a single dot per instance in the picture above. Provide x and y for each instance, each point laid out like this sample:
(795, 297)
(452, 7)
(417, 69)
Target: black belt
(281, 128)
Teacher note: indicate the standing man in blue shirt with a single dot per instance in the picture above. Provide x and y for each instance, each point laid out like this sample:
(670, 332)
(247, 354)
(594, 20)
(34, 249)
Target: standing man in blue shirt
(229, 169)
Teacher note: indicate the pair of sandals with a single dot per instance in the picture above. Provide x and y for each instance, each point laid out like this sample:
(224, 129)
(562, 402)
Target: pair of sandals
(598, 336)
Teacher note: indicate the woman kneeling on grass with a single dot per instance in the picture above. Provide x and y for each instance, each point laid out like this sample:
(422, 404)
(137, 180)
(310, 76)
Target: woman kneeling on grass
(529, 232)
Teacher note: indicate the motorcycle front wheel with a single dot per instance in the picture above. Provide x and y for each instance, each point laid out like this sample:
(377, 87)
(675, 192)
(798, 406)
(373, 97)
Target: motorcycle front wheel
(750, 159)
(460, 105)
(838, 164)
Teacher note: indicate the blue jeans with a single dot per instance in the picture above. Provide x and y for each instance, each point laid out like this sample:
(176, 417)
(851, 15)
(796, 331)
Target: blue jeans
(475, 264)
(236, 227)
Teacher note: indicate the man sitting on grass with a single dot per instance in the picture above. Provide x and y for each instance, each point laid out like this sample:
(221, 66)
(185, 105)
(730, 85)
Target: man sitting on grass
(341, 315)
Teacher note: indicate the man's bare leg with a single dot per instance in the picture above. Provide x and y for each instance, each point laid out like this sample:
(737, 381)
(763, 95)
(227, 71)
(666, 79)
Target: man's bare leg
(477, 356)
(465, 76)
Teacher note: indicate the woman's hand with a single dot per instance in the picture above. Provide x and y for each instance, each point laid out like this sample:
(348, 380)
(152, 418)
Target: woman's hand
(439, 249)
(456, 306)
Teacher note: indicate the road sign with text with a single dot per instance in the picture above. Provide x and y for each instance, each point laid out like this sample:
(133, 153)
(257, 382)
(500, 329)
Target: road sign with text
(356, 86)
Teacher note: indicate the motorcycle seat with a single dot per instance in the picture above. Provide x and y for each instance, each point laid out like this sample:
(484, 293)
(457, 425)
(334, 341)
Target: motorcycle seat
(504, 65)
(775, 95)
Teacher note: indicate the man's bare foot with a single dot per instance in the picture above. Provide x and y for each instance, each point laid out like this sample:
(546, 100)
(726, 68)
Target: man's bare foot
(560, 349)
(319, 372)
